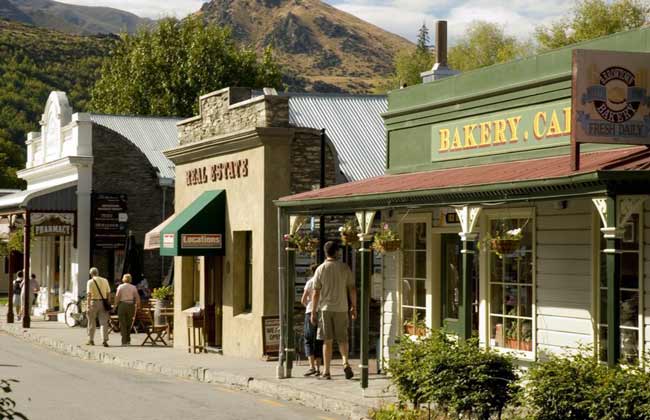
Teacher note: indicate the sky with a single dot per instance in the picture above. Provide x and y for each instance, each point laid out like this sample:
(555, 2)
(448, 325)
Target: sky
(403, 17)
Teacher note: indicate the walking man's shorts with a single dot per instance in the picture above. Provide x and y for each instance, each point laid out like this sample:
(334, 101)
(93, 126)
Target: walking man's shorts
(333, 326)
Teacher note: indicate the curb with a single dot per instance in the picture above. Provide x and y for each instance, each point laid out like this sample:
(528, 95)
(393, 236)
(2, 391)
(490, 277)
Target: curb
(200, 374)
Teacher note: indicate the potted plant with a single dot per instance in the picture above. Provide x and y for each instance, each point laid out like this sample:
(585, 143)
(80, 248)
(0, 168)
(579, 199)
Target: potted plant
(162, 299)
(505, 241)
(302, 242)
(349, 233)
(415, 327)
(386, 240)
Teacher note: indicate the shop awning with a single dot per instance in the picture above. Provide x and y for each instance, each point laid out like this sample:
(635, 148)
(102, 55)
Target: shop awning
(22, 199)
(197, 230)
(152, 238)
(627, 170)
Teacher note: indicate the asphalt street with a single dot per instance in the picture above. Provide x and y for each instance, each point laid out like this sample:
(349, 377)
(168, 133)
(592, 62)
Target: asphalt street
(56, 387)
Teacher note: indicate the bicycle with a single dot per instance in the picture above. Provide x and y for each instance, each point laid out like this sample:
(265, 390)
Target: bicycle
(76, 313)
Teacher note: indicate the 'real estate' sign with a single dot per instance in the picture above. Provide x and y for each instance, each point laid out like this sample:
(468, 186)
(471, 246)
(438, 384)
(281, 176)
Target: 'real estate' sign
(217, 172)
(610, 97)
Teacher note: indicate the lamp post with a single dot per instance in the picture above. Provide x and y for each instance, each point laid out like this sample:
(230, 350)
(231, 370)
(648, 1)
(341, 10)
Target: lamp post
(28, 294)
(365, 219)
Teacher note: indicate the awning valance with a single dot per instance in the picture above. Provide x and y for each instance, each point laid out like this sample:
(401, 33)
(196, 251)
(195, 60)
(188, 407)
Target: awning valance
(52, 200)
(197, 230)
(152, 238)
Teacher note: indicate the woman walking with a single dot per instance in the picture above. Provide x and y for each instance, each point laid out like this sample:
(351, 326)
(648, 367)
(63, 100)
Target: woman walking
(127, 301)
(313, 347)
(18, 284)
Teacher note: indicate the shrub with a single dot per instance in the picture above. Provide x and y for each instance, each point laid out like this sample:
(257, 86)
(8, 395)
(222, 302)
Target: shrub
(624, 395)
(397, 412)
(457, 377)
(560, 387)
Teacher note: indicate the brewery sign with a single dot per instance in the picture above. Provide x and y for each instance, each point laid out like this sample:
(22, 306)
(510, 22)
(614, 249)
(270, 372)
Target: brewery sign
(52, 224)
(610, 97)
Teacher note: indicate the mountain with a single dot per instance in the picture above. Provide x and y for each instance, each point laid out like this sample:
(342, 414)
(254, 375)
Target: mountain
(321, 47)
(33, 62)
(71, 18)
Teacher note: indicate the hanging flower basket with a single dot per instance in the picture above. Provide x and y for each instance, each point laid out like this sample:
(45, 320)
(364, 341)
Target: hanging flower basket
(386, 240)
(349, 234)
(303, 243)
(504, 246)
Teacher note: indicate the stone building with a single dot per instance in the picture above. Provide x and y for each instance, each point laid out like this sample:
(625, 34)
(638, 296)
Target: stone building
(244, 150)
(93, 182)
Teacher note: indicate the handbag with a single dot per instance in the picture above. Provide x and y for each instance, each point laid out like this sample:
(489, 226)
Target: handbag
(107, 306)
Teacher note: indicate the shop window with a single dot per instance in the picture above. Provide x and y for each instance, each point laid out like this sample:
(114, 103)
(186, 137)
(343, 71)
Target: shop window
(511, 283)
(196, 280)
(414, 275)
(630, 296)
(243, 271)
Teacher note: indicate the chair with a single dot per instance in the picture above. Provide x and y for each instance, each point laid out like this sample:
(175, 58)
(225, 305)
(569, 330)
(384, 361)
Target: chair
(155, 333)
(196, 324)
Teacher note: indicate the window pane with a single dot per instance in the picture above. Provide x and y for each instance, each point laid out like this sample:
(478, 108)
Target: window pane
(420, 294)
(511, 333)
(630, 345)
(420, 235)
(510, 300)
(496, 268)
(525, 335)
(408, 264)
(603, 306)
(629, 309)
(602, 343)
(408, 239)
(421, 264)
(630, 270)
(526, 268)
(496, 306)
(525, 301)
(408, 315)
(630, 239)
(497, 331)
(510, 269)
(408, 292)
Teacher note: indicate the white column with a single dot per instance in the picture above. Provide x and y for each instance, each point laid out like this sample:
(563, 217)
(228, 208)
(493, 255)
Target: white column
(84, 188)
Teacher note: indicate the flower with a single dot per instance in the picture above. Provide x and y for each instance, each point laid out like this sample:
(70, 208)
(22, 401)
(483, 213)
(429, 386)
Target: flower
(302, 242)
(349, 233)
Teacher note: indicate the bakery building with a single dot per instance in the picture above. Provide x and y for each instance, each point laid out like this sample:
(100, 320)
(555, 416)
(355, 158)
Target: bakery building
(95, 185)
(520, 193)
(244, 150)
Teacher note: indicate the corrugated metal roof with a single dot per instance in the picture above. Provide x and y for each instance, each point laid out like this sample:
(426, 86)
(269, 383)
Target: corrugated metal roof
(151, 135)
(352, 123)
(627, 159)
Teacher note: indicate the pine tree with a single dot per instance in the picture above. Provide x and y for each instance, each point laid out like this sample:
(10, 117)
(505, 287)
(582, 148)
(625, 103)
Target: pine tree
(423, 38)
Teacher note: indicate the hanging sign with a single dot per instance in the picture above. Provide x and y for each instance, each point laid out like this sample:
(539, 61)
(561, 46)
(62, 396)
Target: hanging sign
(52, 224)
(610, 97)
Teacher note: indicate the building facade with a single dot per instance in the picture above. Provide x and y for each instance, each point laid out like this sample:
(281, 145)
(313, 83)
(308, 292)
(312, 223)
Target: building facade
(243, 151)
(93, 182)
(502, 237)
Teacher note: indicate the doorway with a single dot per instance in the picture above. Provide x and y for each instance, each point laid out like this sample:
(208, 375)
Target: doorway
(214, 301)
(451, 266)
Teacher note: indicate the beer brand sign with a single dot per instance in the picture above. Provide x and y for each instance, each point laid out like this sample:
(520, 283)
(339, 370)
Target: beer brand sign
(52, 224)
(610, 97)
(217, 172)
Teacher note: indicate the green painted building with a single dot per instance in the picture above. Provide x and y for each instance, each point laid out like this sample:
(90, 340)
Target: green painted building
(500, 237)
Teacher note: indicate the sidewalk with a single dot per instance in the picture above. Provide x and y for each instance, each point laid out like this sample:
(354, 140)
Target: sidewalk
(337, 396)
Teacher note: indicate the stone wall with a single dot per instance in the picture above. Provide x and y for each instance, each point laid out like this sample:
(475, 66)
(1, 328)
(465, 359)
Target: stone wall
(230, 110)
(120, 167)
(305, 161)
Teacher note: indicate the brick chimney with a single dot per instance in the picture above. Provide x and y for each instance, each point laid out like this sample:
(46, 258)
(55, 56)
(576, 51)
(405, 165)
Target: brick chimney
(440, 69)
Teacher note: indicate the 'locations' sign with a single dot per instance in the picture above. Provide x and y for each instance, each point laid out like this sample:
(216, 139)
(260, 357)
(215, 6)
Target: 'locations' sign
(525, 128)
(201, 240)
(217, 172)
(610, 97)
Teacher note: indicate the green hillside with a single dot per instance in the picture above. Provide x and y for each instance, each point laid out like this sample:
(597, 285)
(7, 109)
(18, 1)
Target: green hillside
(33, 62)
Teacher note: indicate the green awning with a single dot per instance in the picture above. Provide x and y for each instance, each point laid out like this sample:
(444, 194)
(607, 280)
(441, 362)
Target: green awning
(199, 229)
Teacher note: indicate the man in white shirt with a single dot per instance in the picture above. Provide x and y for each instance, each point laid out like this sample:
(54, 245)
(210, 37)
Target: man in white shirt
(97, 289)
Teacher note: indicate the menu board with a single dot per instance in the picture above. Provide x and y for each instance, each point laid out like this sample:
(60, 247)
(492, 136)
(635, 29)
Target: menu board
(110, 219)
(271, 332)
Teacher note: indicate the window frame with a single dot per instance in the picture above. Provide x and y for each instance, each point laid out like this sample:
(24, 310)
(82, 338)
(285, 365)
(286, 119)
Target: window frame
(498, 214)
(427, 308)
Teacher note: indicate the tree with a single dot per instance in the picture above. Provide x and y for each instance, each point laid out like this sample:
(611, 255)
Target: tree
(423, 38)
(163, 71)
(592, 19)
(484, 44)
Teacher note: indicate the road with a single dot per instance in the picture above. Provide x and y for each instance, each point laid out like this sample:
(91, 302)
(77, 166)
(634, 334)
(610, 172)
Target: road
(57, 387)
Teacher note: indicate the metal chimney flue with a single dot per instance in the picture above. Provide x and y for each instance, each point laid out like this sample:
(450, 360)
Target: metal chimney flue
(440, 68)
(441, 43)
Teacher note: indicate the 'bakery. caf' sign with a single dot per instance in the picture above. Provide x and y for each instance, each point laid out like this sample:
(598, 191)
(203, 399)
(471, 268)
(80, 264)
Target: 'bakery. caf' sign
(610, 97)
(217, 172)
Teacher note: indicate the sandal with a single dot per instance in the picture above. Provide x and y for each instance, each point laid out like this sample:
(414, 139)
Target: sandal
(325, 376)
(311, 371)
(348, 372)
